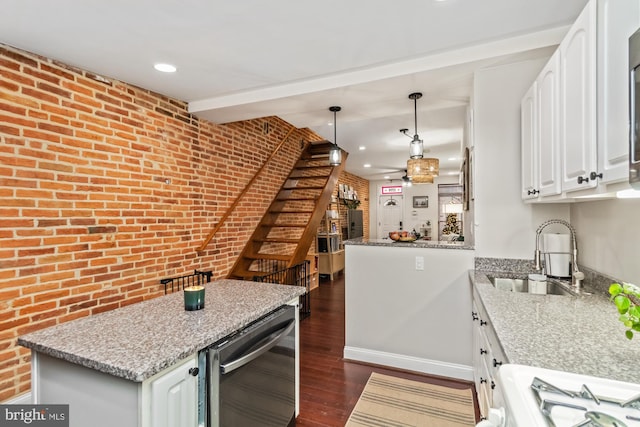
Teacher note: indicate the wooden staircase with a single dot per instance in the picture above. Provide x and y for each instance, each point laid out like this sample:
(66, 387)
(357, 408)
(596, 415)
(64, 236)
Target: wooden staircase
(288, 227)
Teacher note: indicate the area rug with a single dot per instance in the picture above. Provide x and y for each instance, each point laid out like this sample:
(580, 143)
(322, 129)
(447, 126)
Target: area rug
(396, 402)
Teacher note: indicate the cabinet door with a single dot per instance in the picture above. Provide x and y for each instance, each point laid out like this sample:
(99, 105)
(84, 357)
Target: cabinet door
(173, 396)
(617, 21)
(547, 96)
(529, 144)
(578, 102)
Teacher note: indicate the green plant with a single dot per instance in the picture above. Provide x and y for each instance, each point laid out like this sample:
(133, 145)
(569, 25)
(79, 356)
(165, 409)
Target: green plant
(626, 297)
(351, 203)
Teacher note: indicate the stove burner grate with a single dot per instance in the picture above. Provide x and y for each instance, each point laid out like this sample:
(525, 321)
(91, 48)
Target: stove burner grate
(598, 411)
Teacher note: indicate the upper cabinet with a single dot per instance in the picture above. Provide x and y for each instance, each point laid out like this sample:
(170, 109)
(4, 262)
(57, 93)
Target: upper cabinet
(617, 21)
(547, 146)
(528, 120)
(578, 101)
(575, 125)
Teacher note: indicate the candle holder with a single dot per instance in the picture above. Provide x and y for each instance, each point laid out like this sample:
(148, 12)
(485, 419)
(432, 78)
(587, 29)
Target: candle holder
(194, 298)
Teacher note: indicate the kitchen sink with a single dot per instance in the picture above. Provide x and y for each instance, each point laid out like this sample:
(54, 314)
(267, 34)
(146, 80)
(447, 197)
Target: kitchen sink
(554, 286)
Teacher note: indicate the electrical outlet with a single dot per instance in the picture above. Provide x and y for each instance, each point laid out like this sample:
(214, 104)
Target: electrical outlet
(419, 263)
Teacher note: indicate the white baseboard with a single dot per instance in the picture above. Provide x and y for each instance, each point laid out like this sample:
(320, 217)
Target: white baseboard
(433, 367)
(23, 399)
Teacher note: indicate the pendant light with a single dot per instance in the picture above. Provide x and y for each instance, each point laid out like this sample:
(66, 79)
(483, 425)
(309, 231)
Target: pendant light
(419, 169)
(335, 152)
(416, 147)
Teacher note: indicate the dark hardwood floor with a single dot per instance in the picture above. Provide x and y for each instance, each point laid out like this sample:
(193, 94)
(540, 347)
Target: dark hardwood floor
(329, 385)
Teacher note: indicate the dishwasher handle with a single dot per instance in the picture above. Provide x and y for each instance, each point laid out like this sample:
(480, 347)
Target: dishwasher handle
(243, 360)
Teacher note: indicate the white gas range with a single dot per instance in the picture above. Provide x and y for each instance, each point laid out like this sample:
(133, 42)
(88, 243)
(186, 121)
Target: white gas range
(537, 397)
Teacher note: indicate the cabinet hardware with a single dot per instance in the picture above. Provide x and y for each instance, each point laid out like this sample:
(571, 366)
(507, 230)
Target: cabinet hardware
(594, 175)
(194, 372)
(582, 179)
(493, 385)
(482, 322)
(483, 351)
(482, 380)
(474, 316)
(534, 192)
(496, 363)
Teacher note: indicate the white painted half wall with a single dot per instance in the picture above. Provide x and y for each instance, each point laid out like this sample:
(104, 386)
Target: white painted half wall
(397, 315)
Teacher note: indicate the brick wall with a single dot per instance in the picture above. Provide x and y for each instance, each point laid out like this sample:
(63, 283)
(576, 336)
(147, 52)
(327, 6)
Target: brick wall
(105, 188)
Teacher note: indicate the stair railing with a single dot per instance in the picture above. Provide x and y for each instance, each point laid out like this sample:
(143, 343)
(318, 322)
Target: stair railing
(231, 208)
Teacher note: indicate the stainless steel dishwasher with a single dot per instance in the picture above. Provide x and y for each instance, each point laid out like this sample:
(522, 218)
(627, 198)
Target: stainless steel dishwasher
(251, 375)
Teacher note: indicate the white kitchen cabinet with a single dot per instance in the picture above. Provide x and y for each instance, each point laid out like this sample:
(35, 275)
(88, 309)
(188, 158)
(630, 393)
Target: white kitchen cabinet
(540, 134)
(529, 160)
(578, 101)
(98, 399)
(173, 396)
(547, 129)
(590, 73)
(488, 356)
(617, 20)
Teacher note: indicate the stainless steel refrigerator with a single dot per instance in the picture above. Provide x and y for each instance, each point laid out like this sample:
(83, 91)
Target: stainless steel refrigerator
(354, 224)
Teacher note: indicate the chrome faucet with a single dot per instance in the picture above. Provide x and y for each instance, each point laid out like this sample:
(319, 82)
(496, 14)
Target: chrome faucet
(576, 275)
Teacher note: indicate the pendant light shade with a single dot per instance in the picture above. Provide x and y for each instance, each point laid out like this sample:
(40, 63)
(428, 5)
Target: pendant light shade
(335, 152)
(422, 171)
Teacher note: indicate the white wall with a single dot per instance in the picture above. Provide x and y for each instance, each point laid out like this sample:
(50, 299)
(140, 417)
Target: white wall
(504, 225)
(413, 218)
(608, 235)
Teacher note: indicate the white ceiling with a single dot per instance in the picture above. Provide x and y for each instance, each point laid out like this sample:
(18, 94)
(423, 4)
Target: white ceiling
(294, 58)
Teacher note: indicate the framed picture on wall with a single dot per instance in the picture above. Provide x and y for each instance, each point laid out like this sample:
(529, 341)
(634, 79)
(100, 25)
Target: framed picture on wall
(420, 201)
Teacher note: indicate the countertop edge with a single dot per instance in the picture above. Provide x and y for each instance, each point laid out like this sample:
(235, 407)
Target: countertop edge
(435, 244)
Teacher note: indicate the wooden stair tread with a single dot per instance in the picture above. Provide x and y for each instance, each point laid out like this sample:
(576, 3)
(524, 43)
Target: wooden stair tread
(291, 211)
(302, 167)
(298, 178)
(303, 187)
(276, 257)
(284, 225)
(294, 199)
(276, 240)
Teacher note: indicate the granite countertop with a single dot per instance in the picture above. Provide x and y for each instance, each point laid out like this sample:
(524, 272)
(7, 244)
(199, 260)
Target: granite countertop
(137, 341)
(578, 334)
(438, 244)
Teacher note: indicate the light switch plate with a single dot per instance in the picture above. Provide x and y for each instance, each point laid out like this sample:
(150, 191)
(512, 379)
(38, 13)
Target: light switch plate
(419, 263)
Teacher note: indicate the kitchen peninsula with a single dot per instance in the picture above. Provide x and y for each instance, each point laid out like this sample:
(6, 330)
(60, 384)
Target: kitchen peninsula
(112, 368)
(407, 305)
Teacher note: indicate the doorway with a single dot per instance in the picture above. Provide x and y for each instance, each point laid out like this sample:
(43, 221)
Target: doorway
(390, 211)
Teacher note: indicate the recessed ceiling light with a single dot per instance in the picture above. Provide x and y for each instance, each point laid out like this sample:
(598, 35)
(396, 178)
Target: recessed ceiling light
(362, 148)
(387, 177)
(165, 68)
(367, 165)
(452, 159)
(454, 173)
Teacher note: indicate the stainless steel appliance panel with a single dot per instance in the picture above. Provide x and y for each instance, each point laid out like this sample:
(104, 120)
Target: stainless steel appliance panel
(355, 223)
(251, 376)
(634, 110)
